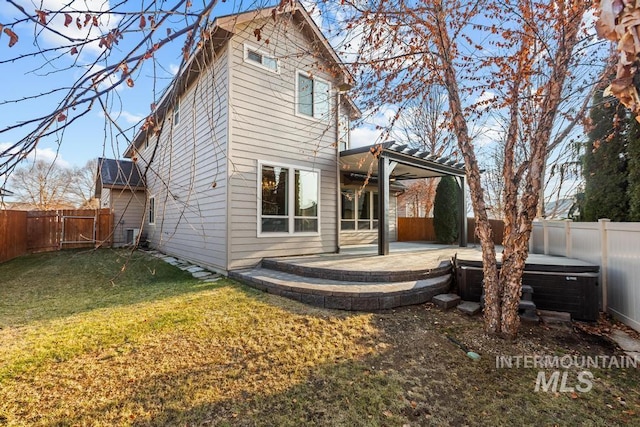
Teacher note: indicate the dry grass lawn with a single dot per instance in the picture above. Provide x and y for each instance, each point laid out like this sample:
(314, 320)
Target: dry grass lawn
(84, 343)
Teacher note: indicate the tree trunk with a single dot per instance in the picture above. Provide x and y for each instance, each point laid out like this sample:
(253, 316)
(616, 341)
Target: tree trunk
(472, 169)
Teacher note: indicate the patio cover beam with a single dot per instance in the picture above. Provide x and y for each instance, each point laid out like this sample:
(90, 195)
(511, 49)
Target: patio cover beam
(440, 169)
(385, 167)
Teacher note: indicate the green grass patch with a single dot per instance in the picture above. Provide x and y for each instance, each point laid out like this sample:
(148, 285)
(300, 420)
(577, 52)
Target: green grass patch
(84, 343)
(59, 284)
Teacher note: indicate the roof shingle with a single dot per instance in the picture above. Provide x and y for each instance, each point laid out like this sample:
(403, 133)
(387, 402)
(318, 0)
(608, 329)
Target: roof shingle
(119, 173)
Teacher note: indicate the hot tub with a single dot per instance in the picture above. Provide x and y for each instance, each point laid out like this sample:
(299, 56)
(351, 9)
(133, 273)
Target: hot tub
(559, 283)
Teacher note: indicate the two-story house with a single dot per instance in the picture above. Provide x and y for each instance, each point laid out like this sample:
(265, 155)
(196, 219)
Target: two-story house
(243, 158)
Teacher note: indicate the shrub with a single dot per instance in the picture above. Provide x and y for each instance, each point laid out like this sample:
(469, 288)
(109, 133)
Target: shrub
(446, 210)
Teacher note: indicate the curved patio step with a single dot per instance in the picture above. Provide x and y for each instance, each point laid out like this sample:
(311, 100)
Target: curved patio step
(341, 269)
(344, 295)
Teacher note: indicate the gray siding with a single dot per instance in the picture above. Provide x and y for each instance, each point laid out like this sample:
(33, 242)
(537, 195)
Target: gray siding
(188, 174)
(129, 210)
(264, 127)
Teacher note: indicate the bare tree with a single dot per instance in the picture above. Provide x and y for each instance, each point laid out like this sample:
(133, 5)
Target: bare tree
(618, 23)
(43, 185)
(83, 184)
(516, 57)
(493, 182)
(423, 125)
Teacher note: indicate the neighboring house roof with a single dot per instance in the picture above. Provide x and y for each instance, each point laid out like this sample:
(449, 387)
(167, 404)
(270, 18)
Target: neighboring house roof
(118, 174)
(21, 206)
(560, 209)
(221, 31)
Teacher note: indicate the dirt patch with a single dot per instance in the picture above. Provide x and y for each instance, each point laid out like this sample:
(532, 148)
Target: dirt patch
(445, 387)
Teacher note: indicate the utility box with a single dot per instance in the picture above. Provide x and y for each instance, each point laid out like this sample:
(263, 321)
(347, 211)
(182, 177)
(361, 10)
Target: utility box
(559, 284)
(132, 235)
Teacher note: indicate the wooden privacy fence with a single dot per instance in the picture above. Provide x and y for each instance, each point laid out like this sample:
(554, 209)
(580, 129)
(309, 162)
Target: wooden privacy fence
(414, 229)
(23, 232)
(13, 232)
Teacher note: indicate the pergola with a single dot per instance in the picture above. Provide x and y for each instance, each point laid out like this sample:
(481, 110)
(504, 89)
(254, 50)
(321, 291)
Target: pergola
(393, 161)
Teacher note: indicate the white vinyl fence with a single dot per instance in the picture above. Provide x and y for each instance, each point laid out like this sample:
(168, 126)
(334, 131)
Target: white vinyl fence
(614, 246)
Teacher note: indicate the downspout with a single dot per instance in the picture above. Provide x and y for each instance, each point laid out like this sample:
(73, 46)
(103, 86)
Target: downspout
(339, 184)
(228, 156)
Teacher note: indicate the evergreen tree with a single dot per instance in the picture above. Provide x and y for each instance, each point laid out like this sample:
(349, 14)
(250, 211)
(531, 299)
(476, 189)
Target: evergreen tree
(604, 162)
(633, 177)
(446, 210)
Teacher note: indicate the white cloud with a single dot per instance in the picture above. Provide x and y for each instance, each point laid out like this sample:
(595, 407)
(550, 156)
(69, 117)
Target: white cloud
(122, 117)
(57, 31)
(173, 69)
(46, 154)
(589, 20)
(485, 100)
(365, 135)
(130, 118)
(372, 130)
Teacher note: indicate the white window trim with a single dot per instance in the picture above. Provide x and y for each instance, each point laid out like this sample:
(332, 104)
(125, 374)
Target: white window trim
(290, 200)
(372, 210)
(347, 134)
(248, 47)
(154, 210)
(297, 97)
(176, 107)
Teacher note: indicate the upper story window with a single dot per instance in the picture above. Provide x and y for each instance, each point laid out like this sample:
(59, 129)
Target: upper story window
(312, 97)
(262, 59)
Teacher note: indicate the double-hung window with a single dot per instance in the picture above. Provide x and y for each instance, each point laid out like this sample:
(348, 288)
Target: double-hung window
(290, 199)
(359, 210)
(313, 97)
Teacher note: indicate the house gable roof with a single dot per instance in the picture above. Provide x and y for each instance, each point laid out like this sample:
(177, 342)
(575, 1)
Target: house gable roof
(118, 174)
(221, 31)
(298, 11)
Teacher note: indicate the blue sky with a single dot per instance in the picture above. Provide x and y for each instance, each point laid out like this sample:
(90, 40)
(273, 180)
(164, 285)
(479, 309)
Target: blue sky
(89, 137)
